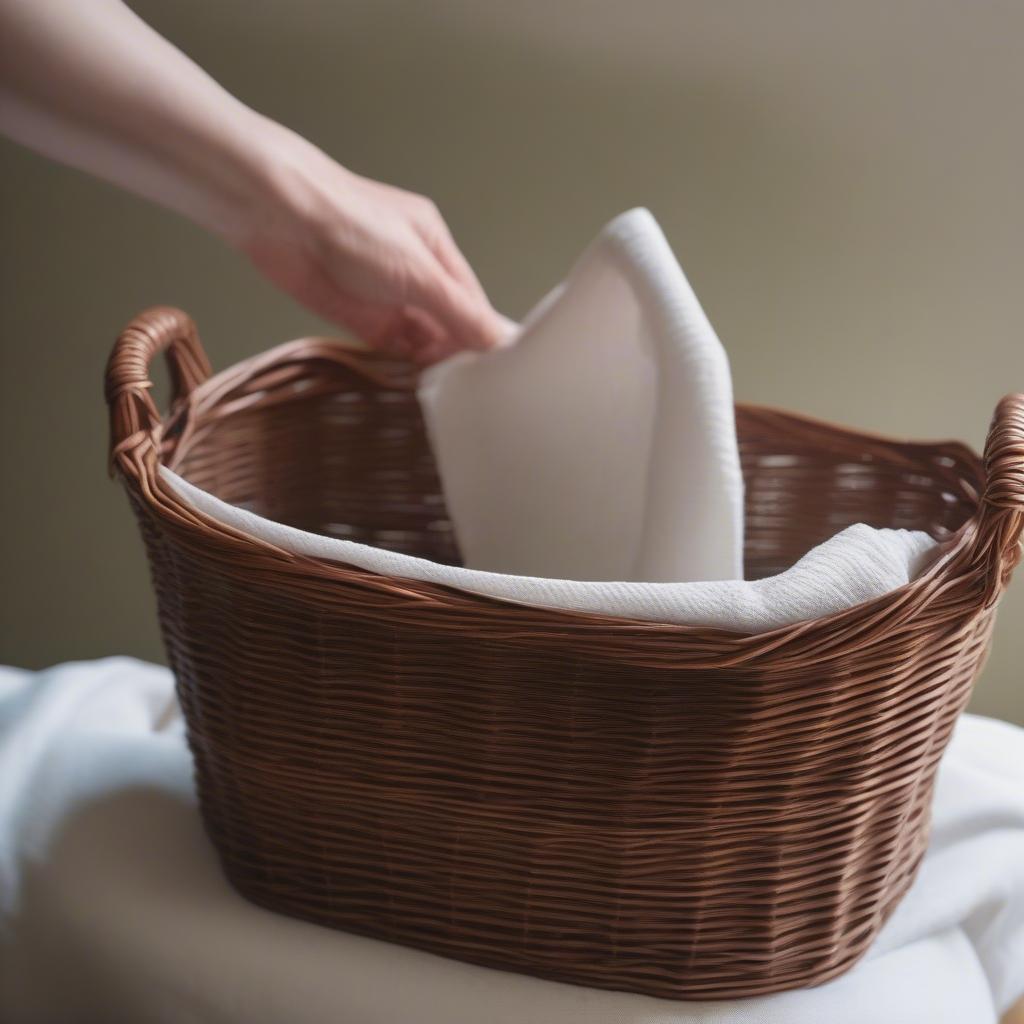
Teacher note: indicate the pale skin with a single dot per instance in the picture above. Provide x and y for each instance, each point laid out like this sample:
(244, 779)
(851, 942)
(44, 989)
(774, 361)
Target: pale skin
(88, 83)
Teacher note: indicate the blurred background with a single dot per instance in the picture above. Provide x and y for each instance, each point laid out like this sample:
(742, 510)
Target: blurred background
(840, 181)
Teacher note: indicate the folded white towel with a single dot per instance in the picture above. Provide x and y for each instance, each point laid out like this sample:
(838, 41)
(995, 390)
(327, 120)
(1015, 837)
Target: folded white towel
(601, 444)
(597, 455)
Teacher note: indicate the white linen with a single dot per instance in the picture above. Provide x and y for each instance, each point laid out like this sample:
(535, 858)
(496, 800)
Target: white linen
(856, 565)
(113, 907)
(601, 443)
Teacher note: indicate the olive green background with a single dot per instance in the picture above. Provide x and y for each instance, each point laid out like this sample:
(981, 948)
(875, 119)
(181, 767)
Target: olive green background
(841, 181)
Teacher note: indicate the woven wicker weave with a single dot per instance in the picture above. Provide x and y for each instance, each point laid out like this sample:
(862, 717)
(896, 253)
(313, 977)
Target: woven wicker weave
(678, 811)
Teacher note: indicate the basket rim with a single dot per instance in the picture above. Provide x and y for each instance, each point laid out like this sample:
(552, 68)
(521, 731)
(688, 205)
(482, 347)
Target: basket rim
(965, 553)
(210, 392)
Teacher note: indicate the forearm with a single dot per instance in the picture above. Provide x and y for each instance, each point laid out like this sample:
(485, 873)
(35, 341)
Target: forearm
(88, 83)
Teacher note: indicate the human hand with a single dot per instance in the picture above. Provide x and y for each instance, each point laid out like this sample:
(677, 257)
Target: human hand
(373, 258)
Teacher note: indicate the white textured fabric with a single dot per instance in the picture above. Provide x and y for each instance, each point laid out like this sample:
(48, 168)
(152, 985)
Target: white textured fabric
(856, 565)
(601, 443)
(113, 907)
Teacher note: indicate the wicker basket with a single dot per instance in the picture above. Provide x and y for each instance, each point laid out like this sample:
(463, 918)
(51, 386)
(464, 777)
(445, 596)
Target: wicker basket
(678, 811)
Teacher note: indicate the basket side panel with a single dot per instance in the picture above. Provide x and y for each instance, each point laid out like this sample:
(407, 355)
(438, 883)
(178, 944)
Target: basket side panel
(551, 793)
(682, 833)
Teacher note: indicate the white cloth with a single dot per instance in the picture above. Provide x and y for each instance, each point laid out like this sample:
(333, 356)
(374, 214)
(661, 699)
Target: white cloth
(856, 565)
(113, 907)
(601, 443)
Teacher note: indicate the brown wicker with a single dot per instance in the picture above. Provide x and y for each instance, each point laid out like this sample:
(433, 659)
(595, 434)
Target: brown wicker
(678, 811)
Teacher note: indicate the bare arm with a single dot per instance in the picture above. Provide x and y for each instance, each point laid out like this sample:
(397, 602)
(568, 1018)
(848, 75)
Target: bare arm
(88, 83)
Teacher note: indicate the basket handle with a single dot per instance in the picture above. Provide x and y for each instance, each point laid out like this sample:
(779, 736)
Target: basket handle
(134, 418)
(1001, 517)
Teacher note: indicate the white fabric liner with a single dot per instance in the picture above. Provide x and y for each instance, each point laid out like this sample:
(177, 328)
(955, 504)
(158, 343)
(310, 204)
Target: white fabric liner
(592, 465)
(856, 565)
(113, 906)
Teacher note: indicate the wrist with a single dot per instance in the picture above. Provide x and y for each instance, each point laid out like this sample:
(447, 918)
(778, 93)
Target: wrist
(276, 184)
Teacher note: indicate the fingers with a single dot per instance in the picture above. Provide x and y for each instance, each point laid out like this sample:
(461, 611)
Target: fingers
(409, 334)
(433, 229)
(382, 263)
(435, 232)
(425, 341)
(462, 312)
(415, 326)
(401, 332)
